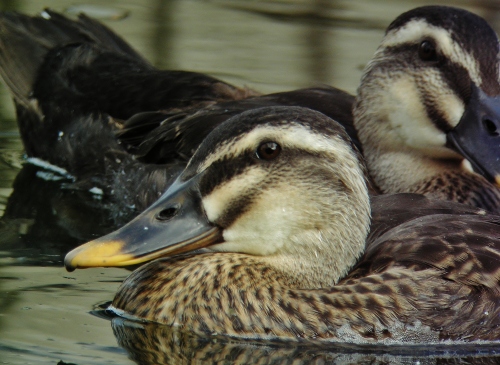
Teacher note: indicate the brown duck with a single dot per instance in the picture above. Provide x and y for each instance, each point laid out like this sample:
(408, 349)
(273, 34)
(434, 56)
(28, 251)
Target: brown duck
(427, 100)
(267, 233)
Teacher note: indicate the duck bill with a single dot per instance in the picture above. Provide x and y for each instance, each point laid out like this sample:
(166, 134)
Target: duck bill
(175, 224)
(477, 135)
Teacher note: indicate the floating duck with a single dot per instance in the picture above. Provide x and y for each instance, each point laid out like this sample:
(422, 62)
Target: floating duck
(427, 100)
(267, 235)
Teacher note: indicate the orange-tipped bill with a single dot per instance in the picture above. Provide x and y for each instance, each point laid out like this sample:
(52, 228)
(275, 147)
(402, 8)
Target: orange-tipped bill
(175, 224)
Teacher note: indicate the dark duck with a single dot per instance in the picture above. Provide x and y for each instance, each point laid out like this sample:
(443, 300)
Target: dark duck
(88, 103)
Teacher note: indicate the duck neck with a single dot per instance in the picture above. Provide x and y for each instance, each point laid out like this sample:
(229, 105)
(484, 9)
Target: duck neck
(319, 268)
(314, 246)
(402, 170)
(328, 237)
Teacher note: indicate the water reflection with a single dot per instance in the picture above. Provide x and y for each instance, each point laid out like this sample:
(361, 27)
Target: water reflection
(45, 217)
(156, 344)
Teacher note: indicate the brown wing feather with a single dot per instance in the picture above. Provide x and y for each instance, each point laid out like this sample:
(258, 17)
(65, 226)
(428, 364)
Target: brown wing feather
(156, 137)
(444, 267)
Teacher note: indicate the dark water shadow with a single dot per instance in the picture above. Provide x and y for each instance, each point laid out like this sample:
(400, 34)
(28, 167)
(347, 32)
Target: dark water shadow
(45, 217)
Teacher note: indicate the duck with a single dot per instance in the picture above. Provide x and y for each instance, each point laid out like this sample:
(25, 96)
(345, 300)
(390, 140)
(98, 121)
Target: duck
(270, 233)
(425, 115)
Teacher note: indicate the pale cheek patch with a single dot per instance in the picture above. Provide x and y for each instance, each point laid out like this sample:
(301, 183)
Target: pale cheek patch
(272, 216)
(408, 117)
(451, 107)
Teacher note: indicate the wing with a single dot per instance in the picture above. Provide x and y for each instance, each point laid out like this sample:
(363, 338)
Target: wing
(156, 137)
(438, 265)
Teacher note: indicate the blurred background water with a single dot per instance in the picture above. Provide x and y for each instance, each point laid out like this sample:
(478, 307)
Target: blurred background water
(269, 46)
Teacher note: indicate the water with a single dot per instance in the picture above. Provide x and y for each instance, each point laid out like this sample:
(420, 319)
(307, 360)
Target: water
(45, 312)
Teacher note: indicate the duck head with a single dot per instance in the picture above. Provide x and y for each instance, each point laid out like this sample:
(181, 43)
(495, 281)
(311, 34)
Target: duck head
(432, 90)
(284, 184)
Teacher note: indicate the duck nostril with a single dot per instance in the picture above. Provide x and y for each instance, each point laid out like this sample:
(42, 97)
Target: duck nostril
(490, 127)
(166, 214)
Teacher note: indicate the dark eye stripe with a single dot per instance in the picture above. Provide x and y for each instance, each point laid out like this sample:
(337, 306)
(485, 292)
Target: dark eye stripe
(469, 31)
(436, 116)
(458, 80)
(225, 170)
(454, 74)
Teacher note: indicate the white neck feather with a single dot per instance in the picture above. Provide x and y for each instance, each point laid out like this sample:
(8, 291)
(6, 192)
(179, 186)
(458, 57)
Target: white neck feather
(404, 170)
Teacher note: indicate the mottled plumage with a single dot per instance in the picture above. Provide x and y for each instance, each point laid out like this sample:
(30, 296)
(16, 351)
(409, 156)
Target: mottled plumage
(296, 261)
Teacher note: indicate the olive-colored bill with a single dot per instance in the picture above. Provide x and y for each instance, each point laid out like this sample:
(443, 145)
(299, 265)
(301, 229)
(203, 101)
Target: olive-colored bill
(477, 135)
(175, 224)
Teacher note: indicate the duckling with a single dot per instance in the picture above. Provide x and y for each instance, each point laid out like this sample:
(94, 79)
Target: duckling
(427, 101)
(266, 235)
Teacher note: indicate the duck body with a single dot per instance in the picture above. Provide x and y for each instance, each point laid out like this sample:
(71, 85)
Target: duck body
(404, 290)
(269, 236)
(152, 121)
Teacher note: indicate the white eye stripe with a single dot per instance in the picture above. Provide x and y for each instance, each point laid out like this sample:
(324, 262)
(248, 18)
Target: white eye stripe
(417, 30)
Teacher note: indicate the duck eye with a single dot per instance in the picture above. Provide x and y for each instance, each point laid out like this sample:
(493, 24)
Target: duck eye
(427, 51)
(268, 151)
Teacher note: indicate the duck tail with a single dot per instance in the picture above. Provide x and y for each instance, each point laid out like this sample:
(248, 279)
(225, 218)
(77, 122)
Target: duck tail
(26, 40)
